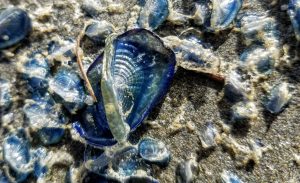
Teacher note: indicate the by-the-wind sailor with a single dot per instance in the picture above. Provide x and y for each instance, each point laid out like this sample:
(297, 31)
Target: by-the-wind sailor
(244, 110)
(36, 70)
(137, 71)
(5, 94)
(68, 89)
(257, 59)
(294, 13)
(126, 162)
(15, 24)
(16, 153)
(220, 16)
(278, 98)
(235, 88)
(153, 13)
(208, 136)
(154, 151)
(98, 31)
(46, 119)
(224, 12)
(192, 54)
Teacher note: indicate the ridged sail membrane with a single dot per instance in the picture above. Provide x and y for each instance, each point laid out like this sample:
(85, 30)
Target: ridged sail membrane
(137, 69)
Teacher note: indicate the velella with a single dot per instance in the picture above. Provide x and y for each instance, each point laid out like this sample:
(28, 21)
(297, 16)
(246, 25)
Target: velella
(67, 88)
(136, 73)
(294, 13)
(15, 24)
(36, 71)
(235, 88)
(154, 151)
(278, 98)
(224, 13)
(16, 153)
(258, 60)
(216, 15)
(153, 13)
(99, 30)
(44, 117)
(208, 136)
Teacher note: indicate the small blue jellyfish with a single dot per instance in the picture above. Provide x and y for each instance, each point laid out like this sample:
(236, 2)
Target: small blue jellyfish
(257, 59)
(278, 98)
(67, 88)
(125, 96)
(224, 12)
(235, 88)
(244, 110)
(208, 136)
(220, 16)
(153, 13)
(44, 117)
(294, 13)
(15, 24)
(154, 151)
(16, 153)
(36, 71)
(98, 31)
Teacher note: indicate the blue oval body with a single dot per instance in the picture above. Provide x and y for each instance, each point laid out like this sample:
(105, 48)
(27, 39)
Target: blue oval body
(153, 13)
(136, 74)
(99, 31)
(140, 68)
(257, 58)
(91, 130)
(15, 24)
(235, 88)
(154, 151)
(294, 13)
(36, 71)
(16, 153)
(43, 116)
(126, 162)
(278, 98)
(67, 88)
(224, 12)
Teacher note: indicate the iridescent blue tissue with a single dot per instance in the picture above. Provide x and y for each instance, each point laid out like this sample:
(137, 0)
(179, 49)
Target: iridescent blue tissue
(136, 74)
(294, 13)
(43, 117)
(36, 71)
(153, 13)
(98, 31)
(90, 127)
(217, 15)
(139, 69)
(224, 13)
(126, 162)
(154, 151)
(235, 89)
(15, 24)
(5, 94)
(257, 59)
(278, 98)
(16, 153)
(67, 88)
